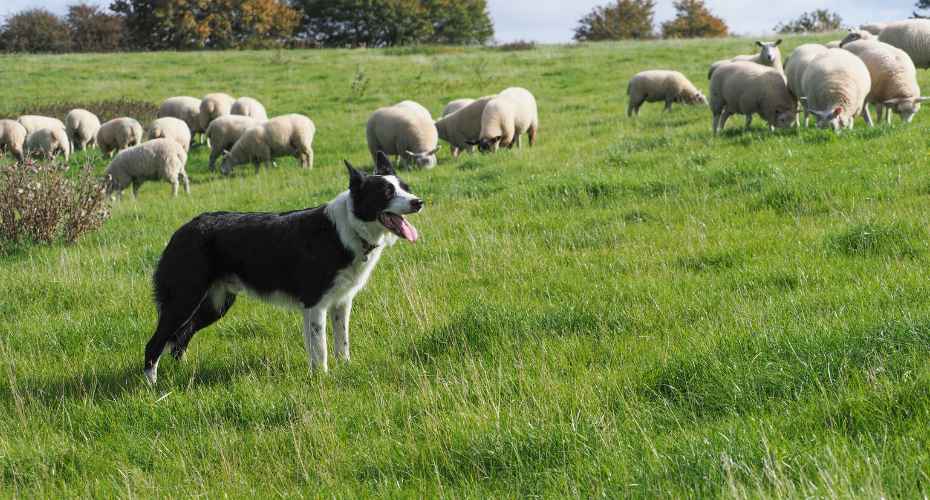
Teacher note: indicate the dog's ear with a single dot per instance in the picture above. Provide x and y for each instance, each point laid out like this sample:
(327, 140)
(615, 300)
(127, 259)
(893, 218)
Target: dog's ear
(383, 165)
(356, 177)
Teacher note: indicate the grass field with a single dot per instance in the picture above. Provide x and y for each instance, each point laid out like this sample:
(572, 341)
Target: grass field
(632, 308)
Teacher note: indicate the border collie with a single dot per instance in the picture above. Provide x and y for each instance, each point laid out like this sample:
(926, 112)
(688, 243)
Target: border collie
(314, 259)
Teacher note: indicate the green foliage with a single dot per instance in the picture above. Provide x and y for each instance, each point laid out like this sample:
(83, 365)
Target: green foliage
(377, 23)
(35, 30)
(93, 30)
(693, 20)
(625, 20)
(812, 22)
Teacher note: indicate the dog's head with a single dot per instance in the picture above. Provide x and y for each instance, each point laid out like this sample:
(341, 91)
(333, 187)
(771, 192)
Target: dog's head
(383, 198)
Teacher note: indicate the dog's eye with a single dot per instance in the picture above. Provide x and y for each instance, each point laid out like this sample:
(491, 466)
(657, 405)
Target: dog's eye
(389, 192)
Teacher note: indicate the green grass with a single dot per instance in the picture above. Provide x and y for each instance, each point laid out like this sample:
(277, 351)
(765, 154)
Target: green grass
(633, 308)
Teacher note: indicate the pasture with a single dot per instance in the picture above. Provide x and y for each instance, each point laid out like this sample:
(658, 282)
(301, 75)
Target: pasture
(633, 308)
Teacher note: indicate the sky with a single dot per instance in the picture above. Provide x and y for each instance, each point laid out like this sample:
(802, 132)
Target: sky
(553, 21)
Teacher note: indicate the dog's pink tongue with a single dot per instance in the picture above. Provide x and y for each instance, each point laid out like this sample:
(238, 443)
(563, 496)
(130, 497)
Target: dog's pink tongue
(405, 227)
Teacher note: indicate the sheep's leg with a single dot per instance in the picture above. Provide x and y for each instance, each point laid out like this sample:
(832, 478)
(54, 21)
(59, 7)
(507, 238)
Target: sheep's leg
(532, 134)
(314, 326)
(340, 322)
(214, 154)
(668, 106)
(630, 109)
(174, 187)
(723, 119)
(471, 150)
(258, 165)
(135, 188)
(186, 181)
(867, 116)
(267, 166)
(455, 152)
(310, 158)
(748, 121)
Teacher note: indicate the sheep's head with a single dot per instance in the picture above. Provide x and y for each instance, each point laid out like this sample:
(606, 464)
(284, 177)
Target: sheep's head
(906, 108)
(831, 118)
(770, 51)
(855, 35)
(698, 98)
(109, 186)
(486, 145)
(227, 165)
(425, 160)
(782, 118)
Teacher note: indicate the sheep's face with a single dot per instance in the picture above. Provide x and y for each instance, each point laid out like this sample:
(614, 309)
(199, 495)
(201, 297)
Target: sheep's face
(906, 108)
(770, 51)
(784, 117)
(855, 35)
(486, 145)
(425, 160)
(227, 165)
(832, 119)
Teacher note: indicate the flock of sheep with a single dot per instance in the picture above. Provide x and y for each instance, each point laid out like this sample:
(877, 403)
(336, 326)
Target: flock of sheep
(875, 64)
(240, 132)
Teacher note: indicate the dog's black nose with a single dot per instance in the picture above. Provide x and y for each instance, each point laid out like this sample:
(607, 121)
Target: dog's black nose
(417, 204)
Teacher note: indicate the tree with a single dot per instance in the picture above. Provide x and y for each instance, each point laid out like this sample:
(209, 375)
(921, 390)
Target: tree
(395, 22)
(816, 21)
(921, 4)
(693, 21)
(625, 20)
(93, 30)
(35, 30)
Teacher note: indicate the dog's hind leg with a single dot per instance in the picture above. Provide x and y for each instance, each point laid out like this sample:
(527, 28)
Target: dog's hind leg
(315, 336)
(215, 306)
(340, 321)
(173, 316)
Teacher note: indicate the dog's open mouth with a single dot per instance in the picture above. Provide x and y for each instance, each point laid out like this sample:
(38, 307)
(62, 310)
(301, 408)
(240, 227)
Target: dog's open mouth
(398, 225)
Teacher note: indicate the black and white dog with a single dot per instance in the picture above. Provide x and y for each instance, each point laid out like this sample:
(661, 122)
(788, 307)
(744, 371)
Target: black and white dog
(314, 259)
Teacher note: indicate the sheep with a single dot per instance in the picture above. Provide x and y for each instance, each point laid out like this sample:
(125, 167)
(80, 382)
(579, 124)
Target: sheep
(213, 106)
(81, 127)
(246, 106)
(224, 132)
(894, 79)
(456, 105)
(183, 108)
(912, 36)
(172, 128)
(416, 107)
(835, 44)
(506, 118)
(280, 136)
(12, 138)
(463, 125)
(51, 141)
(873, 28)
(660, 85)
(795, 65)
(403, 132)
(835, 85)
(158, 159)
(770, 55)
(744, 87)
(33, 123)
(855, 35)
(117, 134)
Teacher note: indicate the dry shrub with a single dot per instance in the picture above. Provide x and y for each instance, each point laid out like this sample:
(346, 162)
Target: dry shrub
(143, 111)
(518, 45)
(40, 202)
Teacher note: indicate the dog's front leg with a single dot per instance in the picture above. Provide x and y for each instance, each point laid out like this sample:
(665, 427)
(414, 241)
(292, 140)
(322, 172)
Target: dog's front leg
(315, 336)
(340, 321)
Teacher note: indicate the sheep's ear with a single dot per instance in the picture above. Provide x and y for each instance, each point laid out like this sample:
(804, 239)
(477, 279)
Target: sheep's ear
(893, 101)
(759, 43)
(497, 139)
(472, 143)
(837, 111)
(920, 99)
(431, 153)
(383, 165)
(356, 177)
(778, 42)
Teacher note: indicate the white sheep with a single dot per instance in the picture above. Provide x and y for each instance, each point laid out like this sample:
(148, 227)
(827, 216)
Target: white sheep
(213, 106)
(661, 85)
(403, 132)
(280, 136)
(419, 108)
(744, 87)
(172, 128)
(456, 105)
(873, 28)
(183, 108)
(117, 134)
(770, 55)
(50, 141)
(835, 44)
(246, 106)
(855, 35)
(894, 80)
(506, 118)
(81, 127)
(462, 125)
(795, 65)
(12, 138)
(158, 159)
(835, 85)
(912, 36)
(34, 122)
(224, 132)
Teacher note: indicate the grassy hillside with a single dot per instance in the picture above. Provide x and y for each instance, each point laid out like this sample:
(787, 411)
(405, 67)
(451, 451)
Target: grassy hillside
(633, 308)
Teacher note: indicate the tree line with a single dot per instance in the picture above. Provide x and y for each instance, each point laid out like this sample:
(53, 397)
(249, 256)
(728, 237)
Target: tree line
(145, 25)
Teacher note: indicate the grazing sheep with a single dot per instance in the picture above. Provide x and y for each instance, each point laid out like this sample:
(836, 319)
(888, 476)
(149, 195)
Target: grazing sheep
(660, 85)
(855, 35)
(506, 118)
(835, 84)
(873, 28)
(117, 134)
(456, 105)
(835, 44)
(172, 128)
(33, 123)
(280, 136)
(744, 87)
(912, 36)
(186, 109)
(12, 138)
(214, 106)
(770, 55)
(246, 106)
(894, 80)
(795, 65)
(51, 141)
(403, 132)
(224, 132)
(81, 127)
(419, 108)
(462, 125)
(158, 159)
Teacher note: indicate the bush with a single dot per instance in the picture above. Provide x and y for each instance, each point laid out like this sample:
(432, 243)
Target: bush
(518, 45)
(36, 31)
(143, 111)
(41, 204)
(693, 21)
(816, 21)
(625, 20)
(95, 31)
